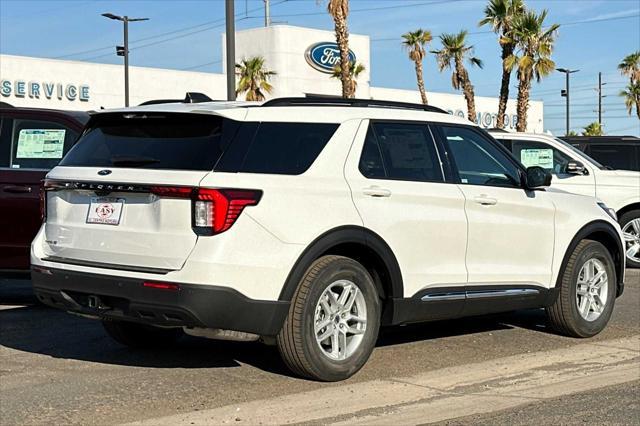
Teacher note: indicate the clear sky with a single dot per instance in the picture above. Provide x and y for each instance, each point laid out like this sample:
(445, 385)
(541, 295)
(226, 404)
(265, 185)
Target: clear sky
(594, 36)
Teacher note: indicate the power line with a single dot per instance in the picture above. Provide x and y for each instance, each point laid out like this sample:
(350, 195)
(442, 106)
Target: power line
(367, 9)
(201, 65)
(586, 21)
(179, 30)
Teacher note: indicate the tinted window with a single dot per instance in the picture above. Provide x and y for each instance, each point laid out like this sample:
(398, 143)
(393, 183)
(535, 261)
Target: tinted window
(5, 141)
(533, 153)
(286, 148)
(622, 157)
(371, 165)
(153, 141)
(478, 160)
(402, 151)
(39, 144)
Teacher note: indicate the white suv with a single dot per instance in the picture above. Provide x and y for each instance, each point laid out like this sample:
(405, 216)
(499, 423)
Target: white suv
(311, 223)
(574, 171)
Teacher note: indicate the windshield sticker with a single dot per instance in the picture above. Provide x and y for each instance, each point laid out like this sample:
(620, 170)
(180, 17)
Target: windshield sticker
(537, 157)
(40, 143)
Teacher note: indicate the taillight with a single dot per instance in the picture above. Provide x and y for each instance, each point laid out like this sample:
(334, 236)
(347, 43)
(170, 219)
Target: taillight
(216, 210)
(213, 210)
(172, 191)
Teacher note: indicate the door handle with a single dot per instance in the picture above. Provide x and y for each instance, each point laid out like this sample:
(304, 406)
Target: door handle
(376, 191)
(17, 189)
(485, 201)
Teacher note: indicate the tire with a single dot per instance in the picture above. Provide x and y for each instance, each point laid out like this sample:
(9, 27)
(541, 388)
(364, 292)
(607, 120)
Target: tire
(141, 336)
(632, 236)
(297, 342)
(564, 314)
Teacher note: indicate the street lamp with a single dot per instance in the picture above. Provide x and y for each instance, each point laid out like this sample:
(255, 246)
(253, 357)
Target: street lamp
(230, 49)
(565, 92)
(124, 50)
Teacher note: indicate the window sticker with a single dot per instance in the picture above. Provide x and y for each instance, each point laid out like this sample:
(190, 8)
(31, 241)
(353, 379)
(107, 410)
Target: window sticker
(537, 157)
(40, 143)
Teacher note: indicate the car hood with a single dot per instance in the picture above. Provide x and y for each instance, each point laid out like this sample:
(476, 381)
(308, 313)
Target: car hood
(626, 178)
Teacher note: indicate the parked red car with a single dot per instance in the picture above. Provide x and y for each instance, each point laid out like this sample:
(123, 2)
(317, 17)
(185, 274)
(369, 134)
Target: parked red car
(32, 142)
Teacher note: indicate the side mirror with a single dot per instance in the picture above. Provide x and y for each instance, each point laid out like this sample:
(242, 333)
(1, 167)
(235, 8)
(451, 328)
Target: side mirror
(575, 168)
(537, 177)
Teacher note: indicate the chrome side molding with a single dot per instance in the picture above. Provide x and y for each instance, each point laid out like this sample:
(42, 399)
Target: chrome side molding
(444, 296)
(480, 294)
(502, 293)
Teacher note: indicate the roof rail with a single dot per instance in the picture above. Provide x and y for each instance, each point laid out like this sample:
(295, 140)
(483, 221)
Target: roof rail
(497, 130)
(358, 103)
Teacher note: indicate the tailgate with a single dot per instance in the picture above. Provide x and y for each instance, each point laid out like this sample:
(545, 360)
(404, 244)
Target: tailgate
(117, 224)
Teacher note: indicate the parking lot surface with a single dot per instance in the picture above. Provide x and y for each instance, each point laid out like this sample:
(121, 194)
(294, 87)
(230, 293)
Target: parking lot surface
(58, 368)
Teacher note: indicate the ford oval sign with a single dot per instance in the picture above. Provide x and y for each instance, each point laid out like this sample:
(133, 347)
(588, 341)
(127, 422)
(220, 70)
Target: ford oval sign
(324, 56)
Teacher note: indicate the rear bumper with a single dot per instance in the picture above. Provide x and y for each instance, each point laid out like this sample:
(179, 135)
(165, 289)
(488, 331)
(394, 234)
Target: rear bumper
(126, 299)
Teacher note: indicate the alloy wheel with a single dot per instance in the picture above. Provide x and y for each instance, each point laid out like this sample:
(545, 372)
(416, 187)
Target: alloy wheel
(592, 289)
(340, 320)
(631, 232)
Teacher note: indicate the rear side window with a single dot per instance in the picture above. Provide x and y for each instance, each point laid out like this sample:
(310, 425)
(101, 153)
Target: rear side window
(39, 144)
(400, 151)
(276, 148)
(621, 157)
(153, 141)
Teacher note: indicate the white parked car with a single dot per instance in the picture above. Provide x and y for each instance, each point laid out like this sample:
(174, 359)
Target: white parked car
(574, 171)
(311, 223)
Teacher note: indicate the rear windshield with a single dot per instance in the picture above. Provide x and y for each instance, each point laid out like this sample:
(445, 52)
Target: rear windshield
(153, 141)
(199, 142)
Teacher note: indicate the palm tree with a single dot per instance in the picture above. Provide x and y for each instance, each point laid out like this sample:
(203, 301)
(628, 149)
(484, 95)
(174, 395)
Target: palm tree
(533, 56)
(339, 10)
(632, 97)
(630, 66)
(414, 42)
(454, 49)
(254, 79)
(500, 14)
(354, 72)
(593, 129)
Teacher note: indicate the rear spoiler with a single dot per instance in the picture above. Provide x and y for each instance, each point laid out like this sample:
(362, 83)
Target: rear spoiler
(189, 98)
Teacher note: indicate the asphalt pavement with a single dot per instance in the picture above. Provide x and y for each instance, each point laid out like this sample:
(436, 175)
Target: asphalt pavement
(57, 368)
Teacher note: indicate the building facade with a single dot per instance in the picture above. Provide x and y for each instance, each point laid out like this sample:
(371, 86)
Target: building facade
(302, 58)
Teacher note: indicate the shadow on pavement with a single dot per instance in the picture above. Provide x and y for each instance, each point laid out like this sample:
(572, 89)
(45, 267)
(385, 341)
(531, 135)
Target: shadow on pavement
(530, 319)
(16, 291)
(41, 330)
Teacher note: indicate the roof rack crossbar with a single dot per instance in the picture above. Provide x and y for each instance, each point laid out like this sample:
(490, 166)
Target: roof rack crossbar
(358, 103)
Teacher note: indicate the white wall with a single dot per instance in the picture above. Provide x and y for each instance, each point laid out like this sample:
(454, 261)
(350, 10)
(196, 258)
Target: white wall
(284, 46)
(106, 83)
(456, 104)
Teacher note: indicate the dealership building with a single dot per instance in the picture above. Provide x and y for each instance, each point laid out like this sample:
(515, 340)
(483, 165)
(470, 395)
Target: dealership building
(302, 57)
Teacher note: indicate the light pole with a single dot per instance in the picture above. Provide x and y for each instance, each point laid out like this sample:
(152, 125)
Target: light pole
(565, 92)
(124, 50)
(231, 50)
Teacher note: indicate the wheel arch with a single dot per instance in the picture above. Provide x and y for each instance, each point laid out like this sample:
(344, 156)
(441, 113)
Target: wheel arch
(604, 233)
(628, 208)
(360, 244)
